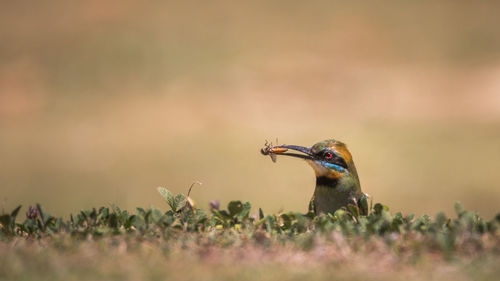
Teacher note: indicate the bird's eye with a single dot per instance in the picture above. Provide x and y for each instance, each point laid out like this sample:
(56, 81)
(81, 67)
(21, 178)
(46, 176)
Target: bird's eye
(328, 155)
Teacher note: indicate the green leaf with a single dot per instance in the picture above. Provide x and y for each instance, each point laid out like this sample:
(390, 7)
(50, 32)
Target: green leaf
(459, 209)
(156, 215)
(169, 197)
(103, 213)
(140, 211)
(440, 219)
(245, 212)
(136, 221)
(201, 216)
(261, 214)
(378, 208)
(180, 201)
(168, 217)
(354, 210)
(113, 220)
(342, 215)
(40, 211)
(14, 213)
(235, 207)
(287, 221)
(363, 205)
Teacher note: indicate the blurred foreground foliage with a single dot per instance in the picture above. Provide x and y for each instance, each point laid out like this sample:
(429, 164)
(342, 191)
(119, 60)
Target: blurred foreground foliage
(231, 226)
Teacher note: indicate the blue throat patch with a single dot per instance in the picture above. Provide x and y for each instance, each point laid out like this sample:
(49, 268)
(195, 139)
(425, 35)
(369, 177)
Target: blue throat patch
(333, 166)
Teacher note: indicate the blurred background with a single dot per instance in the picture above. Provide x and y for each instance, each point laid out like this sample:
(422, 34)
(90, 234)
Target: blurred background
(103, 101)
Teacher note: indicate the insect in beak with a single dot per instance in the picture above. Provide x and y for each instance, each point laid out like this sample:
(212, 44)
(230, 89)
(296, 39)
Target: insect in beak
(271, 150)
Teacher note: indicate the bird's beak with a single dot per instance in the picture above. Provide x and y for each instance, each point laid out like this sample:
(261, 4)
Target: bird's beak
(283, 150)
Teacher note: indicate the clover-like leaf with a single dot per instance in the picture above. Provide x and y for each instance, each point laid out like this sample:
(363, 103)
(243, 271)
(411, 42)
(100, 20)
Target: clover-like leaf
(235, 208)
(245, 212)
(168, 196)
(378, 208)
(180, 201)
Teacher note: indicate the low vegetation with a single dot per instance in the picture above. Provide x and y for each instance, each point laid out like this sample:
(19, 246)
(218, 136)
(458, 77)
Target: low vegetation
(150, 243)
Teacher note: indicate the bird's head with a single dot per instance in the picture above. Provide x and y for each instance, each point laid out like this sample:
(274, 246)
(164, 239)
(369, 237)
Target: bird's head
(330, 159)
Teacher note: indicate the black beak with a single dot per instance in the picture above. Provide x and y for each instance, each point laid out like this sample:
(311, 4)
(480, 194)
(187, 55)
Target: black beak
(306, 150)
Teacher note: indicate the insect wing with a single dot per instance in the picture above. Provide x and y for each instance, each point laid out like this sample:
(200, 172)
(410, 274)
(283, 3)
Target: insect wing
(273, 157)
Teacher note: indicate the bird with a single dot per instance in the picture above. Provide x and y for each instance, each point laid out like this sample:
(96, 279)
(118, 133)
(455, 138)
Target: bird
(337, 181)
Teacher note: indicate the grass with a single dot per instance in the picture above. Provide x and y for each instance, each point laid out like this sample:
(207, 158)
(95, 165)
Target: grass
(186, 243)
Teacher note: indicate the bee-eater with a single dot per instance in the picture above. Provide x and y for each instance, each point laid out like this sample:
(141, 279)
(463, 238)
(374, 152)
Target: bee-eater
(337, 182)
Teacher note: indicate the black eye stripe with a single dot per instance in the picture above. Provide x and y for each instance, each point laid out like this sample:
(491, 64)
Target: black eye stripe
(341, 162)
(332, 157)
